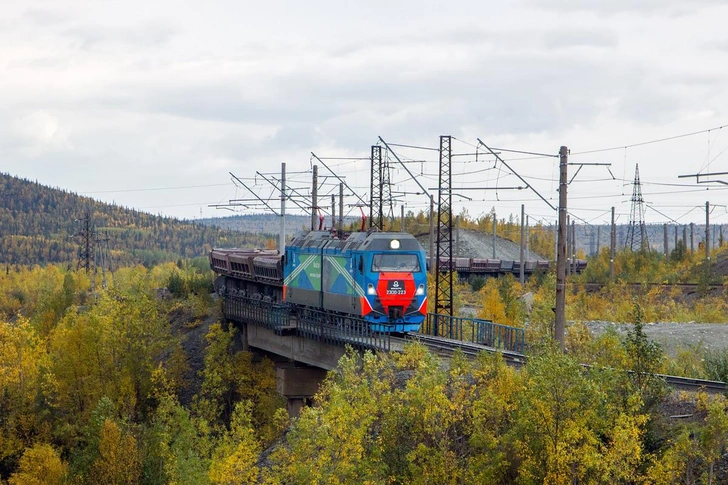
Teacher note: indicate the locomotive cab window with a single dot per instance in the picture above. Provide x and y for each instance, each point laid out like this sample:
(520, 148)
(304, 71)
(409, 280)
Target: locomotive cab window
(395, 263)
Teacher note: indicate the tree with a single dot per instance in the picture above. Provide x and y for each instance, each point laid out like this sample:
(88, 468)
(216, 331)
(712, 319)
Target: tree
(235, 456)
(118, 460)
(555, 429)
(40, 464)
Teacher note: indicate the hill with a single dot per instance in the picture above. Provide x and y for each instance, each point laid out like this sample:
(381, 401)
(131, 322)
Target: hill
(39, 224)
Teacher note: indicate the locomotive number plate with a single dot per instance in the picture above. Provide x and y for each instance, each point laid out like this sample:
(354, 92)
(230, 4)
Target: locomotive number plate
(395, 287)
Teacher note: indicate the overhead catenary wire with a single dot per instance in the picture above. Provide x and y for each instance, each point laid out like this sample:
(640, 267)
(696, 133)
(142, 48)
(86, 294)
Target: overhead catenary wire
(659, 140)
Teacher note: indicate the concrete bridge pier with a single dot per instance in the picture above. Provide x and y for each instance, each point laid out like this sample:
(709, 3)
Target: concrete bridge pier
(298, 385)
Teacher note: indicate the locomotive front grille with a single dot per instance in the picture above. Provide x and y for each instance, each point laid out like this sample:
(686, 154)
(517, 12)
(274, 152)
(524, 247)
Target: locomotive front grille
(396, 312)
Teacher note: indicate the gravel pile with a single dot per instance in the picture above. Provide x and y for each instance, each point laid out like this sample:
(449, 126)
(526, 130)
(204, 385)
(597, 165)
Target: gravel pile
(474, 244)
(672, 336)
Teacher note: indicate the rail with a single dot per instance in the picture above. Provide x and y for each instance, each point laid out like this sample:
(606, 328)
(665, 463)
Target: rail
(475, 330)
(446, 347)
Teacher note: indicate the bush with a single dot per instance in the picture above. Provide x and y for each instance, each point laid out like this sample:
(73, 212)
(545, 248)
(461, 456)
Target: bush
(716, 365)
(176, 285)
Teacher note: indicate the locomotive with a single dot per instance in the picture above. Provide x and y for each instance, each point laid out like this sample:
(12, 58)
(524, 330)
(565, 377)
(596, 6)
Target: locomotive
(379, 277)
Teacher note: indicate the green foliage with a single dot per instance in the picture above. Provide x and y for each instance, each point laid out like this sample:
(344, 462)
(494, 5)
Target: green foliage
(476, 282)
(235, 456)
(716, 365)
(644, 359)
(176, 285)
(405, 419)
(230, 376)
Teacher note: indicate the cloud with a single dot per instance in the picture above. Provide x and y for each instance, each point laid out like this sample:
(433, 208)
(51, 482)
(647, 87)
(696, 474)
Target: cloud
(95, 35)
(576, 37)
(46, 17)
(41, 130)
(614, 7)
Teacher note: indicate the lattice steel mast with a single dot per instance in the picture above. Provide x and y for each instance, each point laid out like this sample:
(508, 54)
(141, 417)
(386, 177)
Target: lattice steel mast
(637, 231)
(443, 282)
(86, 250)
(376, 218)
(380, 207)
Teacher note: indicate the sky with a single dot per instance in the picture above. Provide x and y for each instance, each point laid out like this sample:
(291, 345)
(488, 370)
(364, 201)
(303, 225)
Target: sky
(153, 104)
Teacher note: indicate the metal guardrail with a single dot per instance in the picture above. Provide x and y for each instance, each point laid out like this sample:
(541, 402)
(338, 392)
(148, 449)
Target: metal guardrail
(340, 330)
(311, 324)
(273, 316)
(475, 330)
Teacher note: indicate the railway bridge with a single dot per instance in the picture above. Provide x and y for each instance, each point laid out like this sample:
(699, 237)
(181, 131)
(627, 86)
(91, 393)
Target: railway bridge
(306, 347)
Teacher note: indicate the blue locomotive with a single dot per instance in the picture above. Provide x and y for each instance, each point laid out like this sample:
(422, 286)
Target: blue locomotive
(378, 276)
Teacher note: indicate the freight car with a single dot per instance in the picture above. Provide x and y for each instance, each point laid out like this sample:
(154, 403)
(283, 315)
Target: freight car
(496, 267)
(376, 276)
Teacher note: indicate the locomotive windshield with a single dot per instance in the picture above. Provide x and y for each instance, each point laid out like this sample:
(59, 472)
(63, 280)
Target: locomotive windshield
(395, 263)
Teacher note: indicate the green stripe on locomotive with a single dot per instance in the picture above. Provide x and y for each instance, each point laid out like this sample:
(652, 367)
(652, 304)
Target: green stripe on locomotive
(307, 274)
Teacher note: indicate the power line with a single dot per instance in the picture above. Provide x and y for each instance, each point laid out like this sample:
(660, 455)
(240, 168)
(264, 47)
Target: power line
(659, 140)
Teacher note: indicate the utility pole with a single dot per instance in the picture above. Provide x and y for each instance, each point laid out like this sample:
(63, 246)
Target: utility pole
(341, 208)
(692, 238)
(599, 246)
(522, 274)
(675, 236)
(432, 235)
(333, 212)
(707, 239)
(560, 323)
(612, 247)
(314, 197)
(282, 235)
(667, 247)
(573, 246)
(495, 225)
(685, 238)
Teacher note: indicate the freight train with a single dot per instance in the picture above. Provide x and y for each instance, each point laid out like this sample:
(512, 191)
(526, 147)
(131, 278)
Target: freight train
(379, 277)
(495, 267)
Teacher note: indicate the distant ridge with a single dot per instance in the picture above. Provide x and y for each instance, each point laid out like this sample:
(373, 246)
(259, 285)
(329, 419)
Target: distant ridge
(37, 227)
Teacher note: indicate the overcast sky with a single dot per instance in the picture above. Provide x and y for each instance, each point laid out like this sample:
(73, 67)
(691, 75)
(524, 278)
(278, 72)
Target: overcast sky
(118, 100)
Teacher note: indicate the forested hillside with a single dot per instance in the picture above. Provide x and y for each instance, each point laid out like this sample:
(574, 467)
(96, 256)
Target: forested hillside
(38, 224)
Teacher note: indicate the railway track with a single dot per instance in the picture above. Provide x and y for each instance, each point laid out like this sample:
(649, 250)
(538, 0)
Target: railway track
(681, 286)
(446, 348)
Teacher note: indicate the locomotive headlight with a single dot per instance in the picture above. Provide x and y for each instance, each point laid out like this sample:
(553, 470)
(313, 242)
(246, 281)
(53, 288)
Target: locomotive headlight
(371, 290)
(394, 244)
(420, 290)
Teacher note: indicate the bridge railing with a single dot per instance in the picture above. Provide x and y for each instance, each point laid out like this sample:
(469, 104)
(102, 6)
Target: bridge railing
(341, 330)
(475, 330)
(273, 316)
